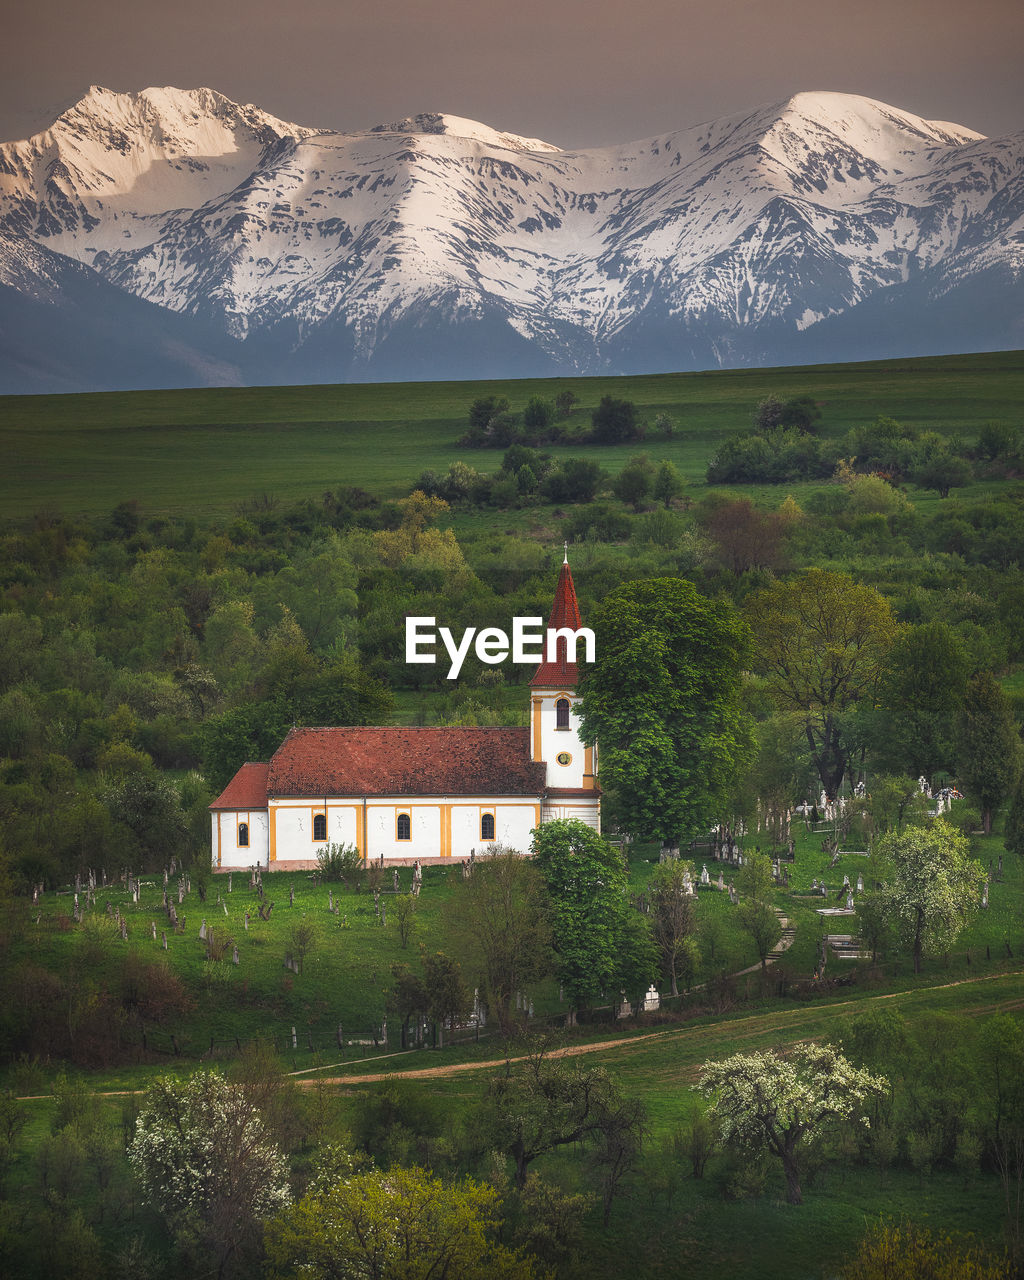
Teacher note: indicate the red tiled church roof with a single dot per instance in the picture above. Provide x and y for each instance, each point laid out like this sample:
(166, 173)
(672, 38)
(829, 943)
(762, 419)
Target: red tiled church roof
(400, 761)
(565, 612)
(246, 790)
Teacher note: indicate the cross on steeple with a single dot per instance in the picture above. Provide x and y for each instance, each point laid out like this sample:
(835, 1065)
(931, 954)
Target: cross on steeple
(565, 549)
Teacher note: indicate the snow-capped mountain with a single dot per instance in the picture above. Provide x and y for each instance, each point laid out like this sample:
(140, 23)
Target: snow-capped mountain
(439, 247)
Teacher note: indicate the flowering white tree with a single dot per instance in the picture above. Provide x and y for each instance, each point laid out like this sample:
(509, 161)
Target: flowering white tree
(767, 1101)
(204, 1160)
(930, 885)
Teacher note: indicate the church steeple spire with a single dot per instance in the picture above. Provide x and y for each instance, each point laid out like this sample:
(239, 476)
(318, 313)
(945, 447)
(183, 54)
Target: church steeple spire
(565, 612)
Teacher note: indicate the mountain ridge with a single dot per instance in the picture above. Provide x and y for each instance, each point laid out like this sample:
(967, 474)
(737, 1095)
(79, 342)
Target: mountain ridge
(727, 242)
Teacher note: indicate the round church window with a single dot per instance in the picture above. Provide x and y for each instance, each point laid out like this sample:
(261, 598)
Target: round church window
(564, 757)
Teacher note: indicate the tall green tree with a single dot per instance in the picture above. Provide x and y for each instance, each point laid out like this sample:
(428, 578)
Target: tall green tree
(756, 916)
(635, 481)
(662, 701)
(921, 687)
(673, 920)
(988, 745)
(668, 483)
(499, 923)
(820, 640)
(398, 1224)
(450, 999)
(614, 421)
(599, 940)
(541, 1103)
(930, 886)
(1013, 835)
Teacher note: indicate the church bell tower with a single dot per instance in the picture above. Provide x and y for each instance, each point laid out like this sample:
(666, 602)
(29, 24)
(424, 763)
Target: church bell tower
(555, 736)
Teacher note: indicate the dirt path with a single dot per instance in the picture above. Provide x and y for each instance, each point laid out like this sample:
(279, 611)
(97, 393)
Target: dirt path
(742, 1028)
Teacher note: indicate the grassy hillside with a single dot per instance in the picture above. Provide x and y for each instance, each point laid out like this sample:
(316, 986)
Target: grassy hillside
(201, 452)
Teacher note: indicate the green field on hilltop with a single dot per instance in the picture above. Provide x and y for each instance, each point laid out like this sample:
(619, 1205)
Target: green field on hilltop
(201, 452)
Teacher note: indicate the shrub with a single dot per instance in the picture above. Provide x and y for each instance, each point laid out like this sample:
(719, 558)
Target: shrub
(599, 523)
(341, 862)
(614, 421)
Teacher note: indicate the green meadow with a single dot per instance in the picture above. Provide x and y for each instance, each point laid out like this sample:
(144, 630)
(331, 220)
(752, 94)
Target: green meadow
(202, 452)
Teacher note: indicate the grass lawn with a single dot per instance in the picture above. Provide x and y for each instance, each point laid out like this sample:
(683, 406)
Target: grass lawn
(201, 452)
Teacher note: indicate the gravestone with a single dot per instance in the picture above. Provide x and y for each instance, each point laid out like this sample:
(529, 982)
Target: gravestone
(234, 954)
(163, 939)
(652, 1001)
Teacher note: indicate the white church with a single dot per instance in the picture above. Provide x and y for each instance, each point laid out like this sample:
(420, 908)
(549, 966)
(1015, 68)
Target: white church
(409, 794)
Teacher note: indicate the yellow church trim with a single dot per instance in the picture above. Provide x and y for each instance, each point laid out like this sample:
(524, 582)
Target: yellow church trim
(588, 768)
(537, 706)
(272, 823)
(446, 830)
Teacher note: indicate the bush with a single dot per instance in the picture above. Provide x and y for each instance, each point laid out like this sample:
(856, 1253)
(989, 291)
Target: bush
(597, 523)
(575, 480)
(614, 421)
(785, 455)
(342, 863)
(538, 415)
(659, 529)
(635, 481)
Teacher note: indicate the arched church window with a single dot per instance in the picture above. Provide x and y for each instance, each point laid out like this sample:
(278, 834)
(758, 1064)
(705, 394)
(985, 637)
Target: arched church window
(243, 835)
(404, 831)
(487, 827)
(562, 713)
(319, 826)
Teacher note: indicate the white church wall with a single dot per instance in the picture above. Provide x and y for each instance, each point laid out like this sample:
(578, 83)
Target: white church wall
(227, 851)
(293, 827)
(513, 825)
(441, 827)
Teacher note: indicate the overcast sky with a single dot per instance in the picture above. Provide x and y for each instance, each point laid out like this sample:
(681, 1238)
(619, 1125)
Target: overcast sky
(575, 72)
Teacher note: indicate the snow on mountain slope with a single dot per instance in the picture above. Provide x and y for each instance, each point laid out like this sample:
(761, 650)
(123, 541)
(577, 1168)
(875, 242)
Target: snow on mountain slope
(112, 166)
(722, 242)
